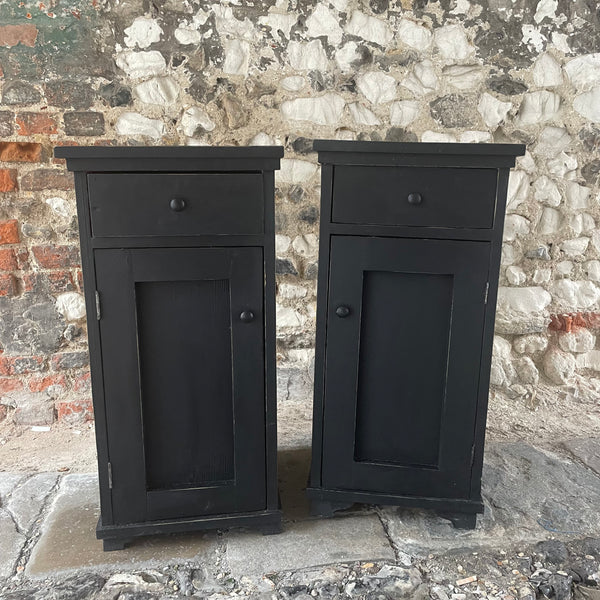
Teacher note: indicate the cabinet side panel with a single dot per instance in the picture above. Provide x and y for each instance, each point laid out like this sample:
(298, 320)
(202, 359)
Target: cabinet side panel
(184, 335)
(403, 361)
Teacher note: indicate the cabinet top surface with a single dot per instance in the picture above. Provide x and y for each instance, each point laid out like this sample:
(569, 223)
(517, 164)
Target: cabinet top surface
(160, 152)
(412, 148)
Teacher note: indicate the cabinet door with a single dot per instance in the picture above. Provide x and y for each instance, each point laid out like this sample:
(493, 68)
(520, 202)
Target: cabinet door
(183, 376)
(404, 335)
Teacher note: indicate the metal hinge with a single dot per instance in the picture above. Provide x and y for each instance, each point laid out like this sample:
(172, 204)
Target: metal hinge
(98, 312)
(109, 476)
(487, 289)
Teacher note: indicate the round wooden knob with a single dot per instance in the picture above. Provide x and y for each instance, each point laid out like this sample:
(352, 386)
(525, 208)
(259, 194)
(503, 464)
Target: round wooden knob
(177, 204)
(247, 316)
(415, 198)
(342, 311)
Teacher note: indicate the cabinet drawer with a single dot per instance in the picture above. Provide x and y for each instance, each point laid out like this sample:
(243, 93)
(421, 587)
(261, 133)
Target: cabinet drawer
(414, 196)
(172, 204)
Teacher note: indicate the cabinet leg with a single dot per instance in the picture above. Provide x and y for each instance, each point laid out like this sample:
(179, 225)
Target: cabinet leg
(324, 508)
(111, 545)
(272, 528)
(461, 520)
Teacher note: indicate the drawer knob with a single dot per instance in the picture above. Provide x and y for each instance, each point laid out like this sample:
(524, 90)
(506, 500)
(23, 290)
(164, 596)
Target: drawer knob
(247, 316)
(342, 311)
(177, 204)
(415, 198)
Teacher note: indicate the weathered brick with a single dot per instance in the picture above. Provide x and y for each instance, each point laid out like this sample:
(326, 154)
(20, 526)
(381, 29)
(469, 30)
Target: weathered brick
(8, 260)
(31, 123)
(22, 258)
(83, 383)
(46, 179)
(20, 152)
(75, 411)
(80, 279)
(8, 180)
(84, 123)
(9, 232)
(31, 282)
(10, 384)
(13, 35)
(69, 360)
(69, 94)
(20, 365)
(8, 285)
(571, 321)
(19, 93)
(60, 281)
(62, 161)
(56, 257)
(41, 384)
(7, 120)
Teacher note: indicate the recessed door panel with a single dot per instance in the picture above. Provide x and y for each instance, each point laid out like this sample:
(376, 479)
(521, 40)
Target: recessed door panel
(184, 340)
(184, 380)
(405, 327)
(404, 335)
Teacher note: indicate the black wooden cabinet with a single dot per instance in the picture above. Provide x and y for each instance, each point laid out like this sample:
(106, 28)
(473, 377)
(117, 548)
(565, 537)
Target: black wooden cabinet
(178, 262)
(409, 257)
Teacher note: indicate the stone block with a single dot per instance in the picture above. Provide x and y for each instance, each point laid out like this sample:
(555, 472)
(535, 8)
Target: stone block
(9, 232)
(33, 123)
(84, 123)
(26, 500)
(161, 91)
(71, 306)
(322, 22)
(8, 180)
(452, 43)
(138, 65)
(559, 366)
(135, 125)
(69, 94)
(11, 543)
(422, 79)
(377, 87)
(69, 360)
(454, 111)
(143, 32)
(529, 495)
(68, 542)
(8, 285)
(20, 152)
(19, 93)
(13, 35)
(115, 94)
(31, 408)
(7, 120)
(56, 257)
(322, 110)
(46, 179)
(369, 28)
(307, 544)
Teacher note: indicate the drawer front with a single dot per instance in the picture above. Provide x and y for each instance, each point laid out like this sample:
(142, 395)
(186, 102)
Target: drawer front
(172, 204)
(415, 196)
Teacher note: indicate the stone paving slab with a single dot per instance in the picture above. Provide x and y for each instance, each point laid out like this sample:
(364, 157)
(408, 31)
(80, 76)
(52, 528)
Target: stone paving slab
(68, 541)
(8, 482)
(529, 495)
(11, 543)
(308, 544)
(27, 498)
(587, 450)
